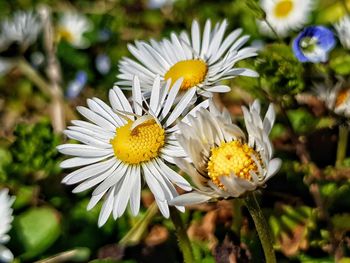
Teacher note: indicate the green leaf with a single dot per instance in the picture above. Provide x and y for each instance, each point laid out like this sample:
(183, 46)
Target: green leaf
(341, 64)
(36, 230)
(24, 196)
(302, 121)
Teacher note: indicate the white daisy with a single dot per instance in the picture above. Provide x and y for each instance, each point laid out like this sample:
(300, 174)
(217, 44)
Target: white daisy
(202, 60)
(224, 163)
(5, 224)
(343, 31)
(285, 15)
(336, 98)
(124, 142)
(72, 26)
(23, 29)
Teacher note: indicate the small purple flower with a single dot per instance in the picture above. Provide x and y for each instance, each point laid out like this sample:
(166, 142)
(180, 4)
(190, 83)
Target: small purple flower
(76, 86)
(313, 44)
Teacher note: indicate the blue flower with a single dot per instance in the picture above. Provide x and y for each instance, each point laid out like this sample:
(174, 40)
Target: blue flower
(313, 44)
(76, 86)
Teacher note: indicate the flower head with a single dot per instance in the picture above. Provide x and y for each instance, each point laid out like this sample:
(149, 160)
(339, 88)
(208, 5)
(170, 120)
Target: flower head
(124, 142)
(285, 15)
(72, 27)
(313, 44)
(335, 97)
(343, 31)
(224, 163)
(22, 29)
(202, 60)
(5, 224)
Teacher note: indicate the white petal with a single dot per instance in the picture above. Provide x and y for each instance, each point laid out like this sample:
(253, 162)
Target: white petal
(88, 171)
(136, 192)
(5, 254)
(274, 166)
(83, 150)
(107, 207)
(95, 118)
(171, 97)
(152, 183)
(180, 107)
(190, 199)
(174, 177)
(136, 96)
(78, 161)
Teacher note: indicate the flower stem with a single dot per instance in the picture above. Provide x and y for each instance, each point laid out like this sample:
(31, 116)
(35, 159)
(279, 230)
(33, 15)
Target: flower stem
(34, 76)
(135, 234)
(184, 242)
(262, 228)
(342, 144)
(273, 30)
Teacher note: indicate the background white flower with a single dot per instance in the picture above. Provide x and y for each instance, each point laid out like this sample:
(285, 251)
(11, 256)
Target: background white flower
(124, 142)
(336, 97)
(224, 163)
(285, 15)
(5, 224)
(202, 59)
(72, 26)
(23, 29)
(343, 31)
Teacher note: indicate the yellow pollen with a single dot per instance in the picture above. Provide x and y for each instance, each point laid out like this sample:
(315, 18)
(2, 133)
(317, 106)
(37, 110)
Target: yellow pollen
(283, 8)
(65, 34)
(140, 144)
(193, 71)
(343, 95)
(232, 157)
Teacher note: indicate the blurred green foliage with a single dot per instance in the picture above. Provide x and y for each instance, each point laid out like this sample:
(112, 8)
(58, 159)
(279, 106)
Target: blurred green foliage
(33, 153)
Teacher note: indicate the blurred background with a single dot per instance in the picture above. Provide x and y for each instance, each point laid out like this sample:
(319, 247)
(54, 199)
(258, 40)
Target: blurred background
(51, 223)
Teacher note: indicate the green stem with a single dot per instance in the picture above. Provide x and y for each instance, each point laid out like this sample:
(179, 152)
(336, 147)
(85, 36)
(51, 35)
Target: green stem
(136, 232)
(342, 144)
(262, 228)
(273, 30)
(34, 76)
(184, 242)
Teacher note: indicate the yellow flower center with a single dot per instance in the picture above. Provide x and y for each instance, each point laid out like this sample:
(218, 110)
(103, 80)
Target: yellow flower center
(232, 157)
(65, 34)
(140, 144)
(193, 71)
(343, 95)
(283, 8)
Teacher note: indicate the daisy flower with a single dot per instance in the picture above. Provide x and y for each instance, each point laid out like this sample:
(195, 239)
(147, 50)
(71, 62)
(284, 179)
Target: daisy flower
(5, 224)
(224, 163)
(124, 142)
(72, 27)
(343, 31)
(202, 60)
(22, 29)
(313, 44)
(284, 15)
(336, 98)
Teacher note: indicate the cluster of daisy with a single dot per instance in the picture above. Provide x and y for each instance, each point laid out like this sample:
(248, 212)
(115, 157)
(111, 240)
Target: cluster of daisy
(170, 120)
